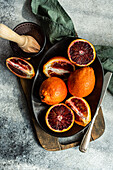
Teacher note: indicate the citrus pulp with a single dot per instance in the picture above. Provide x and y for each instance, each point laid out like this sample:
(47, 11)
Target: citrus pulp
(59, 118)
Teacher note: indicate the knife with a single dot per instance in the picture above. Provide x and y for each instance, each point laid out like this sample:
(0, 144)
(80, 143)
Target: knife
(87, 136)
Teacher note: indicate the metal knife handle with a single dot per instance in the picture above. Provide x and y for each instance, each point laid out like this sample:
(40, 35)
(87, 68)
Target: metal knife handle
(86, 139)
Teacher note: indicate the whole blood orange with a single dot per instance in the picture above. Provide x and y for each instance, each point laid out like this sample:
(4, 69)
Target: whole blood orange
(81, 52)
(59, 118)
(58, 66)
(81, 110)
(53, 90)
(81, 82)
(20, 67)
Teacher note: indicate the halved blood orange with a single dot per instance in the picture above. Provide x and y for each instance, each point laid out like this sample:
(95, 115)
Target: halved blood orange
(81, 52)
(58, 66)
(20, 67)
(59, 118)
(81, 110)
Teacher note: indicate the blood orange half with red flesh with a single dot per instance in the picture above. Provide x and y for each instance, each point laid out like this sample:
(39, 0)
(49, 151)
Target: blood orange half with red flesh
(20, 67)
(81, 52)
(58, 66)
(81, 110)
(59, 118)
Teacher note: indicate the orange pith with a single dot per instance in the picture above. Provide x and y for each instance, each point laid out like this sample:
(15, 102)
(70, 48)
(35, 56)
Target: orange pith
(58, 66)
(20, 67)
(53, 90)
(81, 110)
(81, 52)
(81, 82)
(59, 118)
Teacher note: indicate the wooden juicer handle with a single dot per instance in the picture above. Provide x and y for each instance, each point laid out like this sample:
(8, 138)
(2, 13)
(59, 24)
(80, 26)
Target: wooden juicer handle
(10, 35)
(26, 43)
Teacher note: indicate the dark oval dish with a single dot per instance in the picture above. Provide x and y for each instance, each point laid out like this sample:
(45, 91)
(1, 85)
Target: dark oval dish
(40, 109)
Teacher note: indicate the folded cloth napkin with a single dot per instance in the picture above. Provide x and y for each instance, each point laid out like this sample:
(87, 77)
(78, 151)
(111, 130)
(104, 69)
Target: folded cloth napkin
(58, 25)
(55, 21)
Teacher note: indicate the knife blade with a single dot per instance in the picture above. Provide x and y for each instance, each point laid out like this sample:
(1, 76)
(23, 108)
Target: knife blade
(86, 138)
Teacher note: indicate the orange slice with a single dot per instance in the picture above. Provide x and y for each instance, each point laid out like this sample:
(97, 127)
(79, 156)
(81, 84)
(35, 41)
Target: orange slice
(81, 52)
(58, 66)
(81, 110)
(20, 67)
(59, 118)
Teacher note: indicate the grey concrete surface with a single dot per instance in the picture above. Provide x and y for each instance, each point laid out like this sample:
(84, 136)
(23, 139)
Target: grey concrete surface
(19, 149)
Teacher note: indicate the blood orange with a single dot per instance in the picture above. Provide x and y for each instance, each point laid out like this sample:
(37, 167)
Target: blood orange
(53, 90)
(20, 67)
(81, 110)
(81, 82)
(59, 118)
(81, 52)
(58, 66)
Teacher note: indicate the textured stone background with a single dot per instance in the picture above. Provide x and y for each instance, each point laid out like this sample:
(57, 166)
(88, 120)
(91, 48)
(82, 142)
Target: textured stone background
(19, 149)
